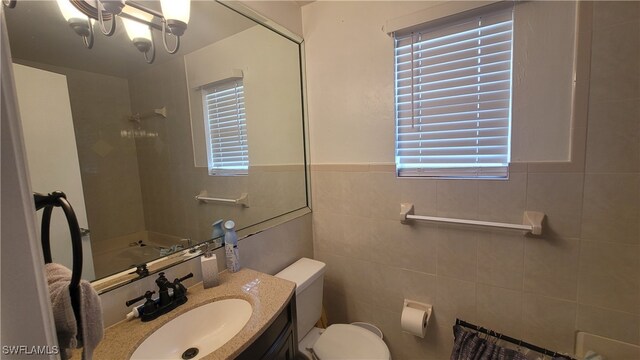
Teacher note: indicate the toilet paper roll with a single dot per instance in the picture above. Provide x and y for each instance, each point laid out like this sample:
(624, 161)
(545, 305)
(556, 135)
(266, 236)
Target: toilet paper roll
(414, 321)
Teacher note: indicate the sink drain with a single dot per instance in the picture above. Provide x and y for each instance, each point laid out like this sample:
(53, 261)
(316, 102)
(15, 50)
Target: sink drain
(190, 353)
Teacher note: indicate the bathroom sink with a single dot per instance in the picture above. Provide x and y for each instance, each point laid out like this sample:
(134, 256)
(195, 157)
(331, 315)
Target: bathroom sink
(197, 332)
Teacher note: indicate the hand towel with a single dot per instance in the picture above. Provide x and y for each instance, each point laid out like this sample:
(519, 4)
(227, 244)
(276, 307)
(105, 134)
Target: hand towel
(92, 330)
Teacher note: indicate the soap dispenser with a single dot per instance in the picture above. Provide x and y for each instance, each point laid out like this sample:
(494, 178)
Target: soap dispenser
(209, 266)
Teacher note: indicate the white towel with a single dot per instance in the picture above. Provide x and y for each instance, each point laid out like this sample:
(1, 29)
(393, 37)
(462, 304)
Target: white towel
(58, 279)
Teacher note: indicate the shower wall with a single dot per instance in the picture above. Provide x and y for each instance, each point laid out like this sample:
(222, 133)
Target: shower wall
(108, 163)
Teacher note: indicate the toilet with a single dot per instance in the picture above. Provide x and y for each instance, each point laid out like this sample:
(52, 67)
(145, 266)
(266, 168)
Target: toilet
(338, 341)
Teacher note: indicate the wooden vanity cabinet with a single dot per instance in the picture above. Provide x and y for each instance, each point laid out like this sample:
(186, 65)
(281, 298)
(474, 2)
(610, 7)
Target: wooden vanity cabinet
(279, 341)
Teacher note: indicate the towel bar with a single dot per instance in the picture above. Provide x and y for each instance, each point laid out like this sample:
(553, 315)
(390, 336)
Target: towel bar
(520, 343)
(48, 202)
(243, 200)
(531, 222)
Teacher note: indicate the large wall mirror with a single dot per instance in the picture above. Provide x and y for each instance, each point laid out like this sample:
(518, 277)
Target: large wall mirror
(134, 144)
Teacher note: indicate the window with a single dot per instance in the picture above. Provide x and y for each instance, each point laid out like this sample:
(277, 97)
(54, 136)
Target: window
(453, 98)
(226, 128)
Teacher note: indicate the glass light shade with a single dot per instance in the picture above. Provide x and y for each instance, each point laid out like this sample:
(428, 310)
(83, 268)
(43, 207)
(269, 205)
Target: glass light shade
(176, 10)
(136, 29)
(69, 11)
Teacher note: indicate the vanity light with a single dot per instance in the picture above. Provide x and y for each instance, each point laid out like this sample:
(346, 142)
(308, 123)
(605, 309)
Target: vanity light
(140, 34)
(177, 15)
(9, 3)
(78, 21)
(137, 19)
(112, 6)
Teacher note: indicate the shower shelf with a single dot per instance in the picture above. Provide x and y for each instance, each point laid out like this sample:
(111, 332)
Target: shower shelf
(243, 200)
(531, 222)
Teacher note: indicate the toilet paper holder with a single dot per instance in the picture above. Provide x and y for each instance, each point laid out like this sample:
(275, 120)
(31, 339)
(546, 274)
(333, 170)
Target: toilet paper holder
(420, 306)
(415, 317)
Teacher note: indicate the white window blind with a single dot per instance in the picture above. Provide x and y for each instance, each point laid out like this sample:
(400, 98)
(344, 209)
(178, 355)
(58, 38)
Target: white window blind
(226, 127)
(453, 98)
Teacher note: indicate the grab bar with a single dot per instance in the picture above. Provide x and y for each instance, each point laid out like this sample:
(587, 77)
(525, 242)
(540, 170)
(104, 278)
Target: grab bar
(531, 222)
(243, 200)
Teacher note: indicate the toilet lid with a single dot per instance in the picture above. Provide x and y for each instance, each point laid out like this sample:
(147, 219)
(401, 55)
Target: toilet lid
(342, 341)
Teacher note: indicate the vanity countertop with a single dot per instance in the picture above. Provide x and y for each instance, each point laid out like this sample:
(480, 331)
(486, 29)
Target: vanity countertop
(268, 296)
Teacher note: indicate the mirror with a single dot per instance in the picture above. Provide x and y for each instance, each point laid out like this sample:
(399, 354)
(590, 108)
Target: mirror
(132, 144)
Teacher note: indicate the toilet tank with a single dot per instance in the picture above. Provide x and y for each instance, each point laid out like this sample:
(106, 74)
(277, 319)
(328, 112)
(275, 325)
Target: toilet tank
(308, 275)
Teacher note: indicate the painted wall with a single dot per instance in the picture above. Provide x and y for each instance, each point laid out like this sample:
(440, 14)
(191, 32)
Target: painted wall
(273, 108)
(582, 274)
(285, 13)
(366, 104)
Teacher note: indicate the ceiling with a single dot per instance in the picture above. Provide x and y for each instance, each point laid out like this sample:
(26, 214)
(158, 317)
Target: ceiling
(39, 33)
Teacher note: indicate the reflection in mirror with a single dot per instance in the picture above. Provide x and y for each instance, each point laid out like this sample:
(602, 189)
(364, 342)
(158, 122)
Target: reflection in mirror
(133, 144)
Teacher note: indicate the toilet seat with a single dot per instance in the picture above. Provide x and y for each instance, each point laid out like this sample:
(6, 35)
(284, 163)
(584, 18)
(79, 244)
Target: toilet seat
(343, 341)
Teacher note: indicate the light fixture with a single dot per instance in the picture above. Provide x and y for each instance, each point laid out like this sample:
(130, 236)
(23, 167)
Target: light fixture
(177, 14)
(78, 21)
(140, 33)
(137, 18)
(9, 3)
(113, 7)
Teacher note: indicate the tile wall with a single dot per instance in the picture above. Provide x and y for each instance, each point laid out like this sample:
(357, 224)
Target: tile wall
(108, 163)
(582, 274)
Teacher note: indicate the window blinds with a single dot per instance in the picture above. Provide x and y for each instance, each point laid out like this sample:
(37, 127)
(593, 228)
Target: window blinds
(226, 126)
(453, 98)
